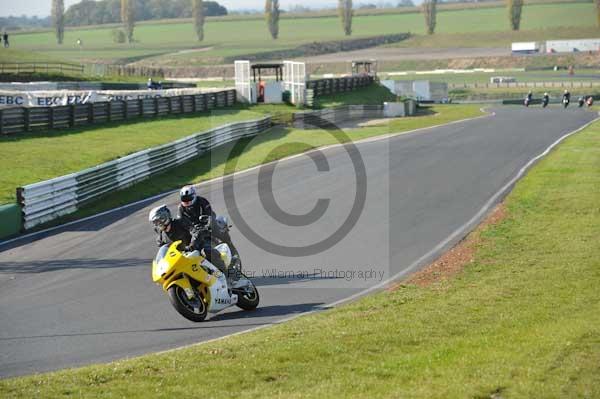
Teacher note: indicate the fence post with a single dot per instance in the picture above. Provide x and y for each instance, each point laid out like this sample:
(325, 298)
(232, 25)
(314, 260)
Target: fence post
(90, 107)
(125, 110)
(71, 115)
(1, 122)
(170, 104)
(155, 106)
(51, 117)
(109, 111)
(181, 110)
(194, 104)
(140, 107)
(26, 119)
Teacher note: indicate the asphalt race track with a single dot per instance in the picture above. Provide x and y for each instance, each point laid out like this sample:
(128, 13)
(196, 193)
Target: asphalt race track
(83, 293)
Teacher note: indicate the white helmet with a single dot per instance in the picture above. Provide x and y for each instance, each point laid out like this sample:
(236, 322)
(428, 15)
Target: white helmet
(160, 217)
(188, 194)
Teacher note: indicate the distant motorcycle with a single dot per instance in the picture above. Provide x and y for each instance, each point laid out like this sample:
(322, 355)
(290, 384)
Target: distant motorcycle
(545, 102)
(565, 102)
(526, 102)
(581, 101)
(590, 101)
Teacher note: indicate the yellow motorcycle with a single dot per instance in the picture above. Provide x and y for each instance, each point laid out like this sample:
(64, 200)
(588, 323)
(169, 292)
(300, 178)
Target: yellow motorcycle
(196, 287)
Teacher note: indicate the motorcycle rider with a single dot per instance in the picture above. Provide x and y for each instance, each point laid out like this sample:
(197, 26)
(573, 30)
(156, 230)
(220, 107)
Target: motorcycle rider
(590, 101)
(528, 98)
(193, 210)
(581, 101)
(545, 99)
(566, 96)
(170, 230)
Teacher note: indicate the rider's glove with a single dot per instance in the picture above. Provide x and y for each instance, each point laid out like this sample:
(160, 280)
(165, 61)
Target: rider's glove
(204, 219)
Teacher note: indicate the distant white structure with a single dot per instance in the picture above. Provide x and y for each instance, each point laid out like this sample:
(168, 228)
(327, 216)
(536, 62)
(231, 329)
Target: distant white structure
(526, 47)
(420, 90)
(569, 46)
(294, 80)
(502, 79)
(254, 87)
(556, 46)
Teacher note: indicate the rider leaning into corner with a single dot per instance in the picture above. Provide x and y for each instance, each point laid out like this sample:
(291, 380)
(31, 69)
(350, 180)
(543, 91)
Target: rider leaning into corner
(193, 209)
(169, 230)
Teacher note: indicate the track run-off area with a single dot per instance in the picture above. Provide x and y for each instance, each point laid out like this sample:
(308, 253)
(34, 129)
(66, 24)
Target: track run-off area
(83, 294)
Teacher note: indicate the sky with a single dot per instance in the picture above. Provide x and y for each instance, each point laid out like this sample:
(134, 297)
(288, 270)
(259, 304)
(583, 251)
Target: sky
(41, 8)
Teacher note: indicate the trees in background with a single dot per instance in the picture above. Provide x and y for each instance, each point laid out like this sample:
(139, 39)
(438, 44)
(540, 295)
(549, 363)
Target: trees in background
(128, 18)
(272, 15)
(198, 16)
(514, 13)
(346, 12)
(598, 10)
(430, 11)
(58, 19)
(89, 12)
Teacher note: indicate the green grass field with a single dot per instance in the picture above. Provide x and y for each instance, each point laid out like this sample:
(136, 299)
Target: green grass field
(520, 321)
(247, 36)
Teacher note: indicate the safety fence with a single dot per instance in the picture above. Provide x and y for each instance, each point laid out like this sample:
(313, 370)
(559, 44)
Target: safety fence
(334, 117)
(50, 199)
(22, 119)
(40, 67)
(322, 87)
(528, 85)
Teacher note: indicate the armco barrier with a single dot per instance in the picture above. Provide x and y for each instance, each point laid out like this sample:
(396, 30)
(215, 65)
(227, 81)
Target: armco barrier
(20, 119)
(326, 117)
(47, 200)
(10, 220)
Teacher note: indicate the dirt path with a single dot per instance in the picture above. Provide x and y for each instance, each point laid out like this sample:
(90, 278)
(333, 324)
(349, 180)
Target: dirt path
(395, 54)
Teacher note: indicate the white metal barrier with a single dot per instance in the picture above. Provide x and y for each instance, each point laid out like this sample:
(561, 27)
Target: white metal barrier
(50, 199)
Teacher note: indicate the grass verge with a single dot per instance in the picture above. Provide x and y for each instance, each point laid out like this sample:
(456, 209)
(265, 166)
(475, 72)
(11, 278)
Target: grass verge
(520, 320)
(37, 156)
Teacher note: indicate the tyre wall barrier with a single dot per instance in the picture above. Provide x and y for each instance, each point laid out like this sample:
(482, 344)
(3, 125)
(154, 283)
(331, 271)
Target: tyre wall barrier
(44, 201)
(21, 119)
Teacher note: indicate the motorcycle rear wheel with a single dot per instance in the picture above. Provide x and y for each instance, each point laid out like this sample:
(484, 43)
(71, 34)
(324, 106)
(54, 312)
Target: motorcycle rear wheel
(248, 301)
(194, 310)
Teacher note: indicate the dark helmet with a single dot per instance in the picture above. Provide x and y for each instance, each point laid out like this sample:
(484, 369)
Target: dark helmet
(160, 217)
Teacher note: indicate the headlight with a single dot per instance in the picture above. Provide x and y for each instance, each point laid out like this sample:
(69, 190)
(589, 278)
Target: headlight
(162, 267)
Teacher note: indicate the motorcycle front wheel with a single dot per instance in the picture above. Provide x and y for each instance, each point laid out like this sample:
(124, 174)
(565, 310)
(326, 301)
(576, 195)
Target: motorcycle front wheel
(193, 310)
(248, 299)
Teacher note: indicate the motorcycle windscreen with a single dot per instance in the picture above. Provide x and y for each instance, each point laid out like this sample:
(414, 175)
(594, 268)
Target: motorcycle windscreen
(162, 252)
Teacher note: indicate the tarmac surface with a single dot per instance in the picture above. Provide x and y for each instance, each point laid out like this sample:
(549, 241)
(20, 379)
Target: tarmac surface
(83, 293)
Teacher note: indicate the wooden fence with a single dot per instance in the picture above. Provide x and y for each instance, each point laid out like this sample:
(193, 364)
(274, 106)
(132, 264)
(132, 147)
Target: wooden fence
(40, 67)
(21, 119)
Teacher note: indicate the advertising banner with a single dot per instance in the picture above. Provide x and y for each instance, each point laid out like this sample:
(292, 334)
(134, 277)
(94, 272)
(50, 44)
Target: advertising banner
(12, 98)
